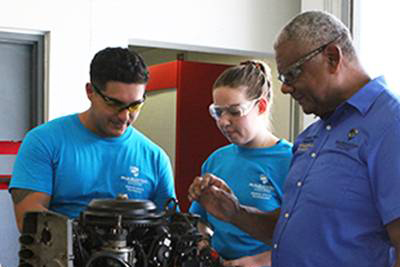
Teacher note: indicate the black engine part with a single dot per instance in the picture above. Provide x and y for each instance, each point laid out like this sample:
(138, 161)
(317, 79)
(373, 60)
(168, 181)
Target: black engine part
(118, 232)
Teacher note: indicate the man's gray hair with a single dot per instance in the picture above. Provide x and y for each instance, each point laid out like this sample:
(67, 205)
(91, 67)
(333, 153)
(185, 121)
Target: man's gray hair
(316, 28)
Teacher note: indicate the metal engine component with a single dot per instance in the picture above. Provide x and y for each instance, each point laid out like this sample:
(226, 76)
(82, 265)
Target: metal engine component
(116, 233)
(46, 240)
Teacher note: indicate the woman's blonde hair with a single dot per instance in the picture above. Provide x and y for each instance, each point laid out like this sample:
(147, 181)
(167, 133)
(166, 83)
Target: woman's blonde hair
(254, 76)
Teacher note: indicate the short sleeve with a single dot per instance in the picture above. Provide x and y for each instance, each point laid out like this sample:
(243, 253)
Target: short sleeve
(165, 187)
(384, 168)
(33, 167)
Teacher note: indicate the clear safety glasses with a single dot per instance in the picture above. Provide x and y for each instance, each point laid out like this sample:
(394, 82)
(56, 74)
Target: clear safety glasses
(236, 110)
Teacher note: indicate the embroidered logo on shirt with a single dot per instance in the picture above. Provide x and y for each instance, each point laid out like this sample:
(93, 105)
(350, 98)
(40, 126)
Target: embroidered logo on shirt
(307, 143)
(350, 143)
(352, 133)
(345, 145)
(304, 147)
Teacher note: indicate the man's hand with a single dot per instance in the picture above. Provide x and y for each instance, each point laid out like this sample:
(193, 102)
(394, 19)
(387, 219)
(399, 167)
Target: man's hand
(393, 229)
(259, 260)
(215, 196)
(200, 183)
(219, 203)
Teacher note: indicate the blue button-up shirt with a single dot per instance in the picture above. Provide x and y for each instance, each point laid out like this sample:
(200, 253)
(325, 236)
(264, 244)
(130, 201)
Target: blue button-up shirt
(343, 186)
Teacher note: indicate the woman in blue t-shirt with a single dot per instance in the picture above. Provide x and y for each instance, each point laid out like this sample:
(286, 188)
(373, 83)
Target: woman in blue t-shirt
(254, 165)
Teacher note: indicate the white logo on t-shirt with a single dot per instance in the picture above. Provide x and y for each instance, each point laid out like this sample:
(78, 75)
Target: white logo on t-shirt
(263, 179)
(262, 189)
(134, 170)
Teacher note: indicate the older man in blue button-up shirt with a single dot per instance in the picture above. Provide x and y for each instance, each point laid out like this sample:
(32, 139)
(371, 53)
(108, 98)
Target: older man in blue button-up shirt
(340, 206)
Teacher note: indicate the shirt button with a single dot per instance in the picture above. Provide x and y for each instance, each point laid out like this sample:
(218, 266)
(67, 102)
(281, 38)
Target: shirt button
(313, 154)
(328, 127)
(299, 184)
(286, 215)
(275, 245)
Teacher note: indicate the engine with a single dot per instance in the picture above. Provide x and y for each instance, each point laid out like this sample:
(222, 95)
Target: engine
(115, 233)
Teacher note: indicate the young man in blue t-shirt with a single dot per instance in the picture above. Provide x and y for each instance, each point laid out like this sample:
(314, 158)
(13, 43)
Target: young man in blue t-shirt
(63, 164)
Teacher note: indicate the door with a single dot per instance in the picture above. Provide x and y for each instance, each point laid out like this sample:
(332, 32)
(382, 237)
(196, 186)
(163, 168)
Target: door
(22, 107)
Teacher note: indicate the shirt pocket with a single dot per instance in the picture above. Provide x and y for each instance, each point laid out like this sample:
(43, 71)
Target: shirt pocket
(339, 174)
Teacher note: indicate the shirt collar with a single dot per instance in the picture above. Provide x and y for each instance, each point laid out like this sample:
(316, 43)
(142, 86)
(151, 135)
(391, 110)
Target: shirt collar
(366, 96)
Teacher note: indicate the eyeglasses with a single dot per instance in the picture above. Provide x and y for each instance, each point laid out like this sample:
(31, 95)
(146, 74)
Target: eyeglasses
(236, 110)
(119, 106)
(293, 72)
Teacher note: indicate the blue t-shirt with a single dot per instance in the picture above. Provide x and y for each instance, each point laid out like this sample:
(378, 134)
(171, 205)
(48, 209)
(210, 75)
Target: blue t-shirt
(343, 186)
(73, 165)
(256, 176)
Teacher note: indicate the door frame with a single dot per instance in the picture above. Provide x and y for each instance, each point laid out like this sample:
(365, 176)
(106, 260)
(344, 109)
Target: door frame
(39, 67)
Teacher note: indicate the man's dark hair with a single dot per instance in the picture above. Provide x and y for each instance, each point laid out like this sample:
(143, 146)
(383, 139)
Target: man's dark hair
(117, 64)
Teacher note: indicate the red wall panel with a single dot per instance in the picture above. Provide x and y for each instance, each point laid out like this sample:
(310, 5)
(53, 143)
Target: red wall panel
(196, 132)
(7, 148)
(197, 135)
(163, 76)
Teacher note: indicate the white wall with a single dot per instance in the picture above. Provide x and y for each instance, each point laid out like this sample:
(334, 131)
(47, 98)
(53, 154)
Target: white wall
(79, 28)
(376, 41)
(69, 28)
(235, 24)
(337, 8)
